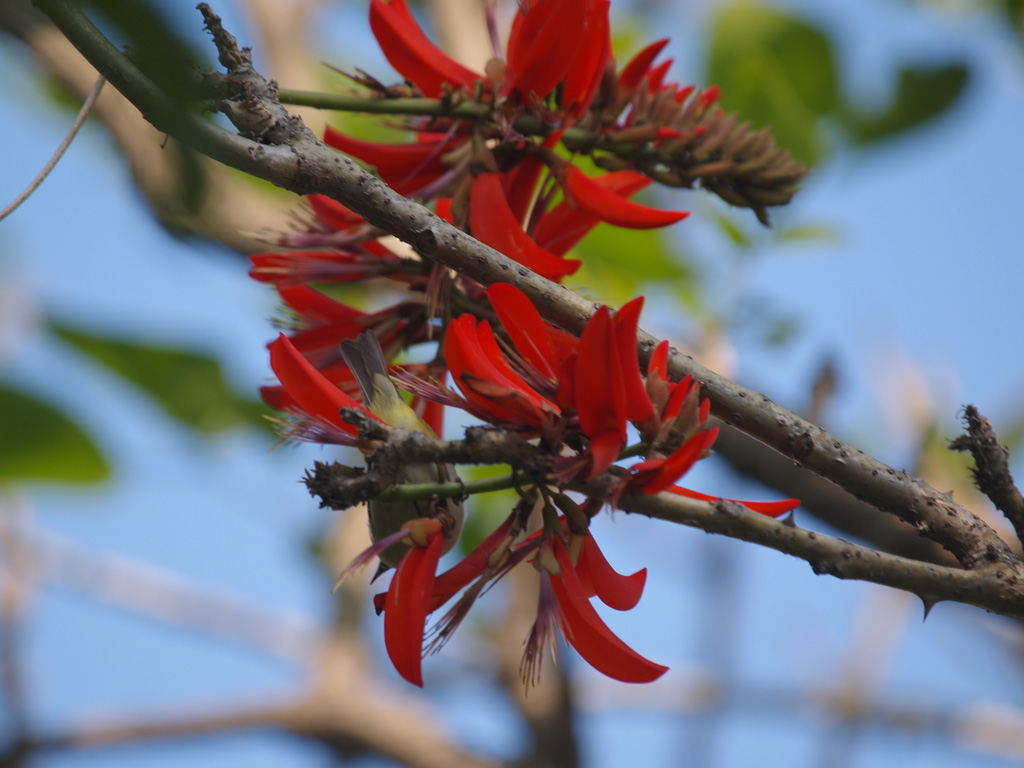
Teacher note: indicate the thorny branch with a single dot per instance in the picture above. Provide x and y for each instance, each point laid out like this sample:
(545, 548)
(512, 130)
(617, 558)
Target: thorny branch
(991, 467)
(275, 146)
(996, 587)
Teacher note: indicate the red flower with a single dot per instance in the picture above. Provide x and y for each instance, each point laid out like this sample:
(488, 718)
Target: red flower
(491, 221)
(407, 606)
(605, 205)
(410, 52)
(585, 631)
(415, 592)
(406, 168)
(312, 392)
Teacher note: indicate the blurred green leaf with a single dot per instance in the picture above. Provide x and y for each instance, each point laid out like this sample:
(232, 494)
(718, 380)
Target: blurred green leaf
(39, 443)
(619, 264)
(171, 62)
(922, 94)
(189, 386)
(485, 511)
(732, 231)
(776, 70)
(814, 234)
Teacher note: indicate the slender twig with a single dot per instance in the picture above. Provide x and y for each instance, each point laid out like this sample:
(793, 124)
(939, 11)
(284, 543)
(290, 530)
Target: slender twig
(991, 467)
(291, 157)
(83, 113)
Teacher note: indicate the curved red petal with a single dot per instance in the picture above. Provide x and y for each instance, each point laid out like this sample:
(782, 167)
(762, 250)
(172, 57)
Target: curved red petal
(409, 165)
(658, 364)
(679, 463)
(590, 636)
(315, 307)
(542, 53)
(332, 213)
(473, 357)
(614, 589)
(607, 206)
(470, 567)
(633, 73)
(626, 323)
(600, 392)
(604, 449)
(412, 54)
(656, 76)
(492, 222)
(769, 508)
(310, 389)
(405, 608)
(565, 225)
(524, 325)
(588, 67)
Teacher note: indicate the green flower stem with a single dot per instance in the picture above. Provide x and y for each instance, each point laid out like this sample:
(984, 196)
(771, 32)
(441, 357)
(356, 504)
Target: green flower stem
(417, 491)
(420, 107)
(344, 102)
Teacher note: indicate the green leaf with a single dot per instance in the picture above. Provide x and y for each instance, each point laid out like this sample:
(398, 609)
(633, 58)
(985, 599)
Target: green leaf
(922, 93)
(188, 386)
(39, 443)
(619, 264)
(776, 70)
(810, 234)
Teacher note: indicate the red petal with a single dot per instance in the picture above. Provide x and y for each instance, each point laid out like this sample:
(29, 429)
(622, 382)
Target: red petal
(315, 307)
(626, 322)
(409, 165)
(656, 76)
(588, 67)
(443, 208)
(590, 636)
(313, 392)
(709, 96)
(769, 508)
(565, 225)
(492, 222)
(598, 578)
(468, 360)
(542, 52)
(332, 213)
(634, 71)
(600, 393)
(524, 325)
(412, 54)
(405, 613)
(470, 567)
(679, 463)
(607, 206)
(604, 450)
(658, 364)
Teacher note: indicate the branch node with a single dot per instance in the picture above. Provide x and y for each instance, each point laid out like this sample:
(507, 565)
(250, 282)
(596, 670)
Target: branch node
(991, 467)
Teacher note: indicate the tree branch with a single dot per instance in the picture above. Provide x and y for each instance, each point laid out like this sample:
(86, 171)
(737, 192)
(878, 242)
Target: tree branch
(998, 587)
(991, 467)
(277, 147)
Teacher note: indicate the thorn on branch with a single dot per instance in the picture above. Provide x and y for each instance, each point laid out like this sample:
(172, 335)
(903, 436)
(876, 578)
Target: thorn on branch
(252, 105)
(991, 467)
(231, 58)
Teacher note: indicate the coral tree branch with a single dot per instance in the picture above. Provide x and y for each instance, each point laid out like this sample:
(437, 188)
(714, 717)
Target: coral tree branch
(277, 147)
(991, 467)
(998, 587)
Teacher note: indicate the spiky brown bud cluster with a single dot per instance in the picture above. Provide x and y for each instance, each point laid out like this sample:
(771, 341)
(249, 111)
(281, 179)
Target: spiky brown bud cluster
(680, 138)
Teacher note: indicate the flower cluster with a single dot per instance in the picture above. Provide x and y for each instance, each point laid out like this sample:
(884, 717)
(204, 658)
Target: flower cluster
(575, 400)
